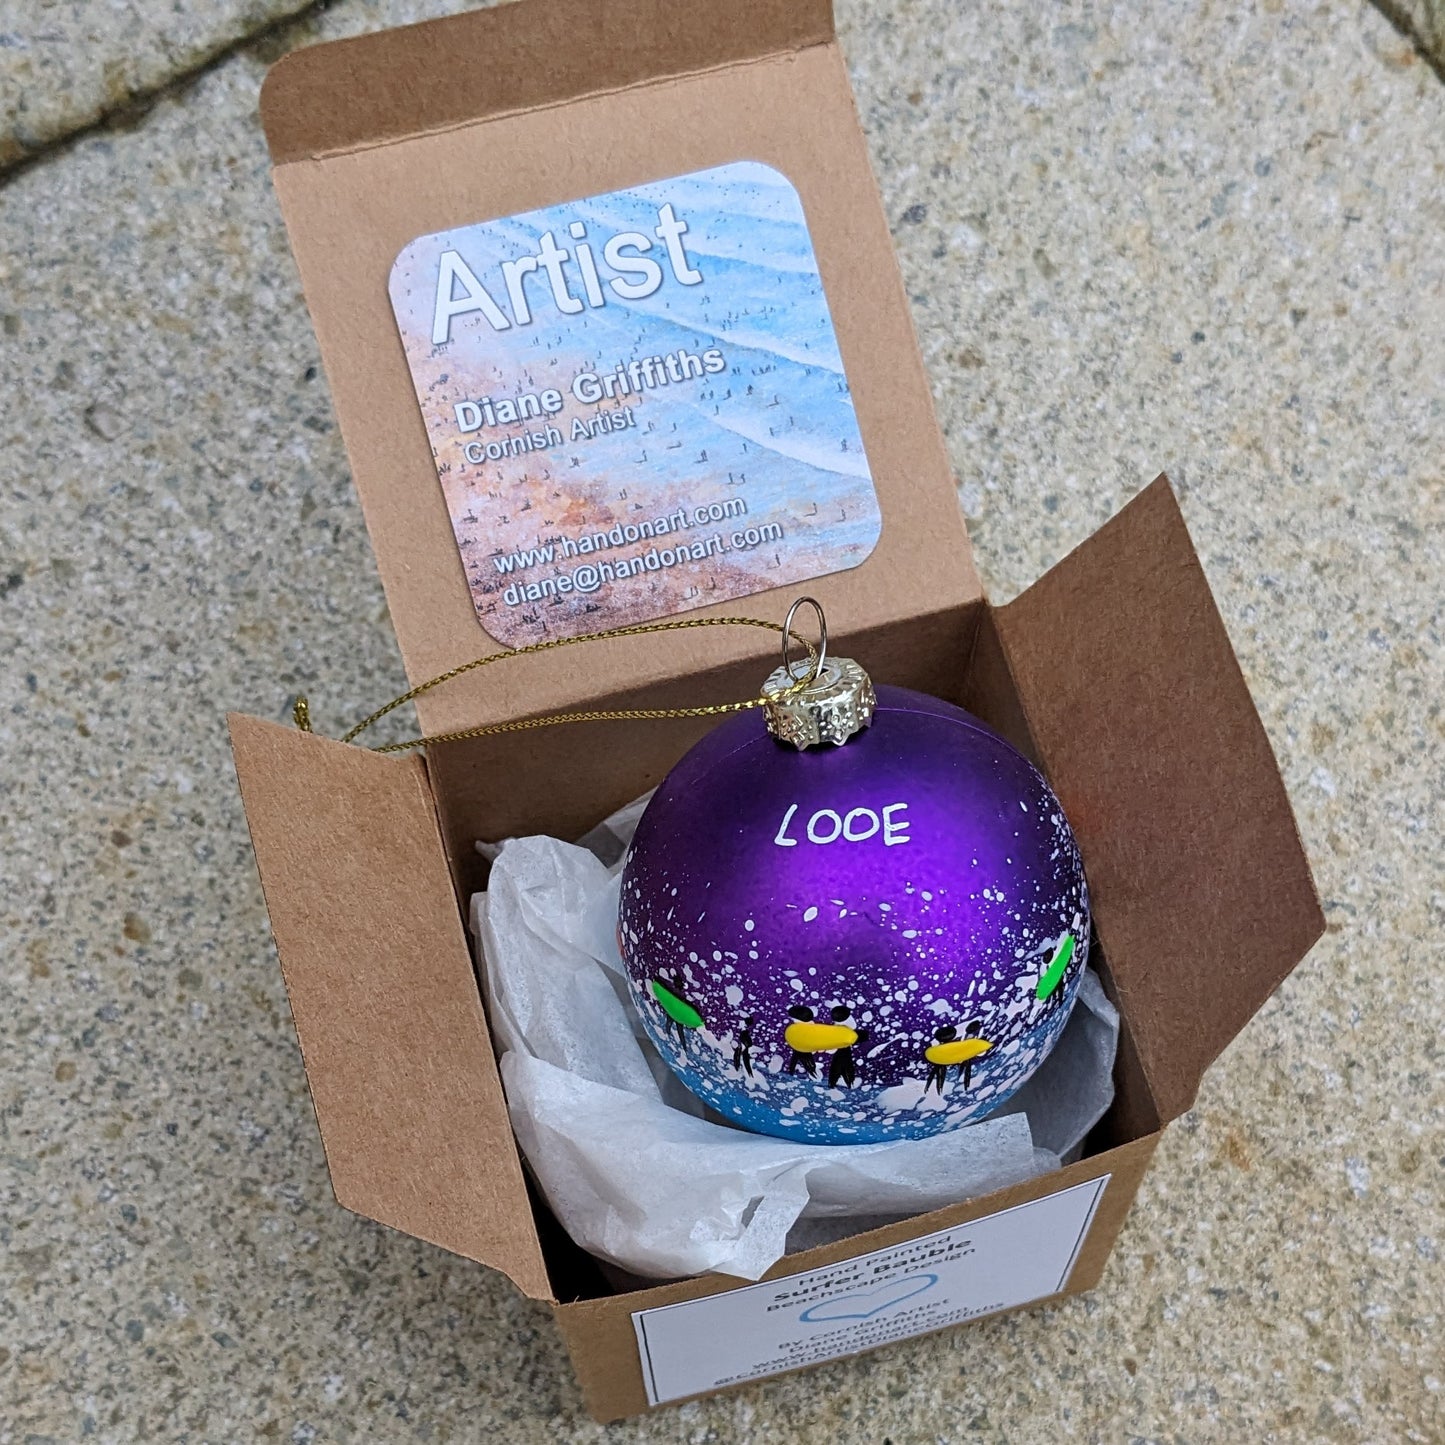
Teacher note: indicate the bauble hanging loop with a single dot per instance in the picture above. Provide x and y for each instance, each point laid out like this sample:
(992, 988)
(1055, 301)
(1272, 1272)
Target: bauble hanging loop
(819, 658)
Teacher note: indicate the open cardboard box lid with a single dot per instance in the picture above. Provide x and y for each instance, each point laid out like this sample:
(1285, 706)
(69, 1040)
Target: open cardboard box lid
(1114, 669)
(383, 138)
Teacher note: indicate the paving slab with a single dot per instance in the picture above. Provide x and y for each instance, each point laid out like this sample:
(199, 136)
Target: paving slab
(66, 63)
(1424, 22)
(1201, 238)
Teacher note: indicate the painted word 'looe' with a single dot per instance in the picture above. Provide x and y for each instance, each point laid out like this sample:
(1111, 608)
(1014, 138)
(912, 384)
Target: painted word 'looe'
(855, 826)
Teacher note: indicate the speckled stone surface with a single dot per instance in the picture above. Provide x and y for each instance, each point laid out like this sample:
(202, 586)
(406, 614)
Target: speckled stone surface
(1199, 237)
(66, 63)
(1424, 22)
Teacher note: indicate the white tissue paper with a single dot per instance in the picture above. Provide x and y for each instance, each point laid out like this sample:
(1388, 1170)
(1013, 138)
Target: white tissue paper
(630, 1162)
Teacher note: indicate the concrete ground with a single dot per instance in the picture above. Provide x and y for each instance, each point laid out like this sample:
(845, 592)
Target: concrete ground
(1200, 237)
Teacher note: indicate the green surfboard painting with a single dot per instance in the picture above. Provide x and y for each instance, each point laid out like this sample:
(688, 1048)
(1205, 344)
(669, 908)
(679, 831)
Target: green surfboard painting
(1053, 975)
(677, 1009)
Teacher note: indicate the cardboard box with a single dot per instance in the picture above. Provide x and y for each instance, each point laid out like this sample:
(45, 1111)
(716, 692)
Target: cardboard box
(1113, 671)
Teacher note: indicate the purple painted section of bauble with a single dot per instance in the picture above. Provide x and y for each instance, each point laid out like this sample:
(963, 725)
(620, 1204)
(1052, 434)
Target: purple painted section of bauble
(821, 942)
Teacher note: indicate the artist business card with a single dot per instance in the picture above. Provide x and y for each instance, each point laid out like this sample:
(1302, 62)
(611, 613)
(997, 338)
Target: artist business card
(636, 403)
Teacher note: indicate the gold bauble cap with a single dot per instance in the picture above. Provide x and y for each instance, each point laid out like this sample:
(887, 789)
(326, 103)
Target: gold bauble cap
(837, 705)
(829, 701)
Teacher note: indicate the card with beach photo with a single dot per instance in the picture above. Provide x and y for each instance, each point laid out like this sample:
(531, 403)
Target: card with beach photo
(636, 403)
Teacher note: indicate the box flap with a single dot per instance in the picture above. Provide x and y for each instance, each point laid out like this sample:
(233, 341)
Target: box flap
(443, 73)
(1202, 894)
(618, 103)
(383, 995)
(603, 1342)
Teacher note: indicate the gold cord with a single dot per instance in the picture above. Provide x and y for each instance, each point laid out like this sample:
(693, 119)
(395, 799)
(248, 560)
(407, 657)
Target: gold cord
(301, 710)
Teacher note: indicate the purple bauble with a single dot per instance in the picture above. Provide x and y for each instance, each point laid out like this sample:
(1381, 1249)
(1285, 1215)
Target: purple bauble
(878, 940)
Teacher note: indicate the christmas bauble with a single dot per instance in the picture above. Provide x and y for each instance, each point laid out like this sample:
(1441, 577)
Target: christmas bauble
(854, 941)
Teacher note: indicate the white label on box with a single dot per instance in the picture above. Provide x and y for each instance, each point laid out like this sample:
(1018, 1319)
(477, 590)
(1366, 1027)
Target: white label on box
(996, 1263)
